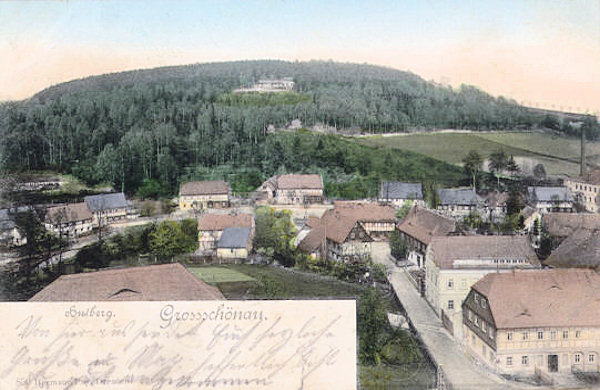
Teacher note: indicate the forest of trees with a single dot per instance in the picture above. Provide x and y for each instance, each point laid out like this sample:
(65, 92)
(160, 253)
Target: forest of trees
(155, 128)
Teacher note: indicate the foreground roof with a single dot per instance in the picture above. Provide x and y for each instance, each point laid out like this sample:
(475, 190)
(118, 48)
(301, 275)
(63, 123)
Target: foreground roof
(563, 224)
(549, 194)
(69, 213)
(423, 224)
(400, 190)
(164, 282)
(208, 187)
(447, 250)
(234, 237)
(458, 196)
(580, 249)
(304, 182)
(542, 298)
(106, 201)
(222, 221)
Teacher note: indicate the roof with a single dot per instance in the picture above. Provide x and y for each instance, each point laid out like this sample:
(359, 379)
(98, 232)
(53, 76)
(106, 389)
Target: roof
(592, 177)
(542, 298)
(423, 224)
(69, 213)
(581, 249)
(234, 237)
(458, 196)
(311, 242)
(164, 282)
(549, 194)
(365, 212)
(204, 188)
(496, 199)
(447, 250)
(209, 222)
(400, 190)
(563, 224)
(106, 201)
(305, 182)
(7, 221)
(529, 211)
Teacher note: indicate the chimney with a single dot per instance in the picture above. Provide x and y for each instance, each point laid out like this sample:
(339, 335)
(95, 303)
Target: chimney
(582, 170)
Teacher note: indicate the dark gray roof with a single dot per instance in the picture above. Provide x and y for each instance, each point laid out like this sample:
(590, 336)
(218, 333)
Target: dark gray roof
(400, 190)
(459, 196)
(7, 221)
(549, 194)
(106, 201)
(234, 237)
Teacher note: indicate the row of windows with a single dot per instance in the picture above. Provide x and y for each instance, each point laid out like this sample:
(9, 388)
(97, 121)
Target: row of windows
(541, 335)
(577, 358)
(481, 324)
(581, 187)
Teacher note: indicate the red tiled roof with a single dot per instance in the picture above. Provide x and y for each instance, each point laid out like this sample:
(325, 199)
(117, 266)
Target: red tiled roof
(592, 177)
(204, 188)
(542, 298)
(69, 213)
(423, 225)
(164, 282)
(563, 224)
(290, 182)
(210, 222)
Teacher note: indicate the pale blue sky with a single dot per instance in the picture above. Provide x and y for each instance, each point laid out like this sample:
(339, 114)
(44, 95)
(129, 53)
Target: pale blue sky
(531, 50)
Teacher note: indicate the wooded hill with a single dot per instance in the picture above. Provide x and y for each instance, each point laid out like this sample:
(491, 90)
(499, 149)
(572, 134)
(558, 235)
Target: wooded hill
(150, 129)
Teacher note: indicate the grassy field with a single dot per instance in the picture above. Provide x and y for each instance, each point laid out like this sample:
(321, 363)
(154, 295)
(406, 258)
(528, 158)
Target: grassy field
(243, 281)
(558, 154)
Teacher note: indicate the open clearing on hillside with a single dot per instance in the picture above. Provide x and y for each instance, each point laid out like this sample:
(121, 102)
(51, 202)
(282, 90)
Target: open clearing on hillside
(559, 155)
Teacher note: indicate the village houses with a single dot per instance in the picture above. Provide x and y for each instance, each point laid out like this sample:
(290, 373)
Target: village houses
(292, 189)
(459, 203)
(73, 219)
(550, 199)
(527, 322)
(211, 227)
(398, 193)
(198, 195)
(108, 208)
(418, 228)
(495, 206)
(578, 238)
(234, 245)
(585, 189)
(10, 235)
(453, 264)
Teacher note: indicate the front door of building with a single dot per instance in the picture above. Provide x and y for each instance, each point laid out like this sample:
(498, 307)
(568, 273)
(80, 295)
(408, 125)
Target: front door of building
(552, 363)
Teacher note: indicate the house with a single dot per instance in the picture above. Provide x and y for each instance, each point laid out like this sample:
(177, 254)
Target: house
(107, 208)
(532, 219)
(292, 189)
(418, 228)
(10, 235)
(379, 221)
(495, 206)
(164, 282)
(458, 203)
(585, 189)
(204, 194)
(234, 244)
(398, 193)
(550, 199)
(211, 226)
(525, 322)
(453, 264)
(72, 219)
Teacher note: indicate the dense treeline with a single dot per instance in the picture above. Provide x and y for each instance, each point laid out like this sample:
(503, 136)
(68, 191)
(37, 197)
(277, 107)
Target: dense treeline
(161, 125)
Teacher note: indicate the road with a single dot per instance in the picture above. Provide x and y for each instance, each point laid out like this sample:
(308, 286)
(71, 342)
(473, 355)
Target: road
(460, 371)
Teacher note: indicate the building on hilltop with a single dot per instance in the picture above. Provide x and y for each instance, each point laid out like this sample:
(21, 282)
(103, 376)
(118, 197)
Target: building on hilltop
(453, 264)
(73, 219)
(525, 322)
(204, 194)
(292, 189)
(550, 199)
(585, 189)
(398, 193)
(164, 282)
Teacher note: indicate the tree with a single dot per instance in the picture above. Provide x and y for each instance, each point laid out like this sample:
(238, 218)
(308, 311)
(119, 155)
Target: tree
(371, 324)
(512, 167)
(539, 172)
(398, 247)
(34, 234)
(168, 240)
(404, 209)
(473, 163)
(514, 203)
(498, 162)
(274, 235)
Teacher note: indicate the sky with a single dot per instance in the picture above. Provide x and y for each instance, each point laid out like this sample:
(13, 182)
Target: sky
(541, 53)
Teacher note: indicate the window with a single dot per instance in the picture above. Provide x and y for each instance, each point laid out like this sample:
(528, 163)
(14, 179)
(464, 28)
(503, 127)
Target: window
(470, 316)
(525, 360)
(451, 305)
(509, 336)
(509, 360)
(491, 333)
(553, 335)
(483, 304)
(577, 358)
(577, 334)
(591, 358)
(540, 335)
(477, 320)
(565, 334)
(450, 283)
(525, 336)
(484, 326)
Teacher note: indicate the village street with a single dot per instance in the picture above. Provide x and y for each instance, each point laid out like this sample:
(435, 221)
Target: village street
(459, 371)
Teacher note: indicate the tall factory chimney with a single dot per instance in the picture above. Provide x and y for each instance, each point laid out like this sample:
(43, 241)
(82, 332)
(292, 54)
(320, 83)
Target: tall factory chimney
(583, 169)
